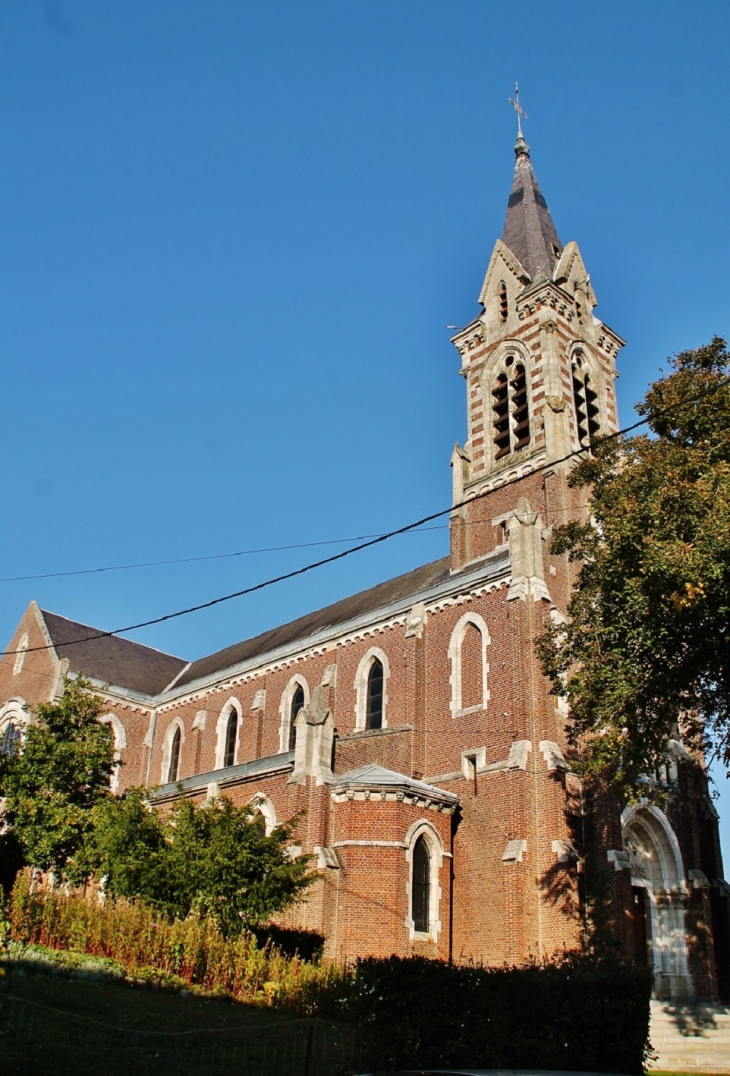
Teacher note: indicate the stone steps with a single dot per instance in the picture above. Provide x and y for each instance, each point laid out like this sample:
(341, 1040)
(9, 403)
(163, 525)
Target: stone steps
(690, 1037)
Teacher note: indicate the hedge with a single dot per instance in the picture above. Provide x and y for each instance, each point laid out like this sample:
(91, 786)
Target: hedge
(569, 1013)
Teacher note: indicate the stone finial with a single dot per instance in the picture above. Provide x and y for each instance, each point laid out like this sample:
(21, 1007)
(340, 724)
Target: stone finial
(416, 621)
(329, 678)
(317, 712)
(315, 739)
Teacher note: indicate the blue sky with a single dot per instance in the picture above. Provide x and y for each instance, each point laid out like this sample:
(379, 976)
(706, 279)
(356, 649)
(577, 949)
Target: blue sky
(232, 236)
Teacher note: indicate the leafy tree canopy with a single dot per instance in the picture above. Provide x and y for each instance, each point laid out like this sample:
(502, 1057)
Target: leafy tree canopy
(63, 771)
(215, 860)
(644, 656)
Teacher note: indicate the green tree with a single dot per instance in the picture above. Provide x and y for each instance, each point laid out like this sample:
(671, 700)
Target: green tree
(52, 785)
(215, 860)
(643, 657)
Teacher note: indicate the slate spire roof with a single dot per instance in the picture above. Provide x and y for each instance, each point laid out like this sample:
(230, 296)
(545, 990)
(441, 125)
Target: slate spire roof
(529, 231)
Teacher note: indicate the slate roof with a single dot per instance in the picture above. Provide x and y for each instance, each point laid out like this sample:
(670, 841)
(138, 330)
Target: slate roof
(377, 777)
(366, 601)
(529, 231)
(113, 660)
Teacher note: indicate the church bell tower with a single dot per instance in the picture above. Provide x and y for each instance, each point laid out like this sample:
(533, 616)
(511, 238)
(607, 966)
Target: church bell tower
(539, 369)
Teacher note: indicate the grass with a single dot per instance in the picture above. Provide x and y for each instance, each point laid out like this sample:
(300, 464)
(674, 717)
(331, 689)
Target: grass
(88, 1019)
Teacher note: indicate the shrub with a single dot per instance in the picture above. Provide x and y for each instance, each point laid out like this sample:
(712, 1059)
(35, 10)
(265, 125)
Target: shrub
(191, 949)
(570, 1013)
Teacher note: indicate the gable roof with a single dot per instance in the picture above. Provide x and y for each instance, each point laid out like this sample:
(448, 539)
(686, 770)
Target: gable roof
(366, 601)
(110, 659)
(529, 231)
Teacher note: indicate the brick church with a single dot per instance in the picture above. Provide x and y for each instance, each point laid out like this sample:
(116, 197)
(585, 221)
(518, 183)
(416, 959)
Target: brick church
(411, 723)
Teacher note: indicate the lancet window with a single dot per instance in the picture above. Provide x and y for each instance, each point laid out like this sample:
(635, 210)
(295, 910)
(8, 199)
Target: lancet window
(229, 757)
(375, 695)
(421, 886)
(174, 765)
(297, 704)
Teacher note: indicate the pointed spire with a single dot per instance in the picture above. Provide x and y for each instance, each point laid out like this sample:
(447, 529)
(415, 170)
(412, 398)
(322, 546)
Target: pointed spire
(529, 231)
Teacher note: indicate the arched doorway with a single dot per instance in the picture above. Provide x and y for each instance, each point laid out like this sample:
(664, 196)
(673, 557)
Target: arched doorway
(658, 893)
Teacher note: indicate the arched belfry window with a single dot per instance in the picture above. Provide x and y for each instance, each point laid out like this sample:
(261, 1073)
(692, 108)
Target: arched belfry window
(510, 409)
(297, 704)
(421, 886)
(231, 737)
(173, 767)
(585, 399)
(375, 696)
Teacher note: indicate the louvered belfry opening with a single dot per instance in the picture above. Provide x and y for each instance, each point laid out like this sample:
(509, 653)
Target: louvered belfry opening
(231, 734)
(503, 308)
(421, 886)
(592, 409)
(500, 407)
(587, 410)
(375, 695)
(520, 409)
(579, 398)
(297, 704)
(511, 410)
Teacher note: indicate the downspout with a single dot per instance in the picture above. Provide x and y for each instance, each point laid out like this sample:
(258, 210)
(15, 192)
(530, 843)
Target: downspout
(451, 891)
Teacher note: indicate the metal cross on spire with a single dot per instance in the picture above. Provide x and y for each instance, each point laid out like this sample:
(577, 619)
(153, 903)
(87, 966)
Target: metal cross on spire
(521, 114)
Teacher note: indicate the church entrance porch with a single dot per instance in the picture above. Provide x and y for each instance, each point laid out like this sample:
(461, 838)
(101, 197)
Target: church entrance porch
(658, 896)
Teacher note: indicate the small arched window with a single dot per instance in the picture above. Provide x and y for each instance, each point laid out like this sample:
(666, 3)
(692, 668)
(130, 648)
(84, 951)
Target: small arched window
(503, 308)
(10, 739)
(375, 696)
(297, 704)
(174, 766)
(421, 887)
(229, 757)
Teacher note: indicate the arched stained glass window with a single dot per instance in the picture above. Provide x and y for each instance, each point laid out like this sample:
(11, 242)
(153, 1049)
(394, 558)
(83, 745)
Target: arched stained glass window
(10, 740)
(231, 734)
(297, 704)
(421, 886)
(375, 696)
(174, 766)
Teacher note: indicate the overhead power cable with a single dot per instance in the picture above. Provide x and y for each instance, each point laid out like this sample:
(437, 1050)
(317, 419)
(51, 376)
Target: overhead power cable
(193, 560)
(379, 538)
